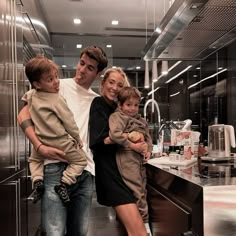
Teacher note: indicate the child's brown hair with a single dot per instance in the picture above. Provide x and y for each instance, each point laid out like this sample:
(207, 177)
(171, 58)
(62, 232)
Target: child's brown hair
(128, 92)
(37, 66)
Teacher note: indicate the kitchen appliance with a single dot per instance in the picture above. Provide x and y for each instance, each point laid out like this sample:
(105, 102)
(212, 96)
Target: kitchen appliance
(183, 125)
(182, 24)
(220, 140)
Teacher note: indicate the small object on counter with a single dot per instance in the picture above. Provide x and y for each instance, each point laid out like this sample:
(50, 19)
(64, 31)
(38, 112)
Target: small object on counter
(201, 150)
(176, 157)
(174, 167)
(176, 154)
(172, 153)
(156, 152)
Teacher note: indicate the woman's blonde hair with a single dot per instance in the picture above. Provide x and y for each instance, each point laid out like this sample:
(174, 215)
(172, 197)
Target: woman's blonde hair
(107, 74)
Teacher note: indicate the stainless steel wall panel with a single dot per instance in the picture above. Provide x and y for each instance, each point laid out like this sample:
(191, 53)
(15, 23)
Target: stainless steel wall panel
(8, 162)
(12, 87)
(15, 148)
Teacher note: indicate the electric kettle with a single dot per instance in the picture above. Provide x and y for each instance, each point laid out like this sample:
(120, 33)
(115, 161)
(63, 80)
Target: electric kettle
(220, 140)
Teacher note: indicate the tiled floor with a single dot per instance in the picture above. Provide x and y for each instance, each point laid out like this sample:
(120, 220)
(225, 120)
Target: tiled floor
(103, 221)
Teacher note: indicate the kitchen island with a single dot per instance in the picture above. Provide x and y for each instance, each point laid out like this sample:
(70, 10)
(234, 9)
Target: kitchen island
(197, 199)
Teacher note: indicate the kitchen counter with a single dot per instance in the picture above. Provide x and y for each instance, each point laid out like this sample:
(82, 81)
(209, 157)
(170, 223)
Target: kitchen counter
(196, 199)
(203, 173)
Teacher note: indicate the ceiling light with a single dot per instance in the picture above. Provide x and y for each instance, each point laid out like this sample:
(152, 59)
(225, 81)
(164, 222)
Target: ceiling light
(158, 30)
(172, 67)
(180, 73)
(138, 67)
(174, 94)
(77, 21)
(64, 66)
(109, 46)
(154, 71)
(158, 78)
(153, 91)
(115, 22)
(146, 78)
(78, 45)
(164, 68)
(209, 77)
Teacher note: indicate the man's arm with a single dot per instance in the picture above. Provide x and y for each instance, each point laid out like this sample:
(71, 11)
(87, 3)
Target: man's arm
(26, 124)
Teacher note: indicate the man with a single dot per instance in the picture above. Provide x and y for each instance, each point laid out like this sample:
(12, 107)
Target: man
(54, 216)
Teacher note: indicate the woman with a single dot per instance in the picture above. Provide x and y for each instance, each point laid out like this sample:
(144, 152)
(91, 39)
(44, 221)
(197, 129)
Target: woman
(111, 190)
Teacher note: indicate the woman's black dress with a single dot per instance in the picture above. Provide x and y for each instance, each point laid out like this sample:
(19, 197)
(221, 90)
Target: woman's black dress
(110, 188)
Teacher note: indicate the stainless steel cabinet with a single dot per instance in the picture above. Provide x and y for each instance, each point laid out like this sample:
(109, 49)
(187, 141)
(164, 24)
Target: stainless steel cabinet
(13, 206)
(13, 144)
(167, 217)
(175, 204)
(20, 40)
(12, 87)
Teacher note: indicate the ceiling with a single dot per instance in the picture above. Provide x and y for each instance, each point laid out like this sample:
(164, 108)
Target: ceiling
(137, 21)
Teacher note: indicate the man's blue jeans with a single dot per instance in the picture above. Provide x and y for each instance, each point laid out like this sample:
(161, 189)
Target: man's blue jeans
(54, 215)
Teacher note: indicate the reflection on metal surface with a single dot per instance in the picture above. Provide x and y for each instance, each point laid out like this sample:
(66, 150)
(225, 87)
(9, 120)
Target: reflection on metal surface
(216, 181)
(188, 20)
(220, 211)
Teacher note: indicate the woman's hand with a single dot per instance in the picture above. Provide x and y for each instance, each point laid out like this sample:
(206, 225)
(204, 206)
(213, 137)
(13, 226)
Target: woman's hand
(51, 153)
(108, 140)
(146, 157)
(139, 147)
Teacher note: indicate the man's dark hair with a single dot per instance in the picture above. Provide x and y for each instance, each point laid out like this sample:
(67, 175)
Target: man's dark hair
(97, 54)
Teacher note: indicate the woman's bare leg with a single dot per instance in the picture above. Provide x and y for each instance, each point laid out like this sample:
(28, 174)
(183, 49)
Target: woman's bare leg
(129, 215)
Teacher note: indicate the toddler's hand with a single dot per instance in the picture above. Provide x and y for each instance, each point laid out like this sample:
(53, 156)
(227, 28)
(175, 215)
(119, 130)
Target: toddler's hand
(80, 144)
(146, 157)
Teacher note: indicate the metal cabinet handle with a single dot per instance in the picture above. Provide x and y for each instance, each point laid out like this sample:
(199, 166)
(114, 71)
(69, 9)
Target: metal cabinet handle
(32, 25)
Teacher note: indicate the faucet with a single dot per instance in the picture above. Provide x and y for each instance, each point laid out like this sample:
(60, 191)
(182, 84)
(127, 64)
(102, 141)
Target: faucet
(157, 108)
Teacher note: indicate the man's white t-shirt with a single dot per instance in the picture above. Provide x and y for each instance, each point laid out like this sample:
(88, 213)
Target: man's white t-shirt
(79, 101)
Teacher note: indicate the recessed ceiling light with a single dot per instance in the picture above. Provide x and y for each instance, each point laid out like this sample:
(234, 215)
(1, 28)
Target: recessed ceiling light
(138, 67)
(78, 45)
(158, 30)
(64, 66)
(109, 46)
(77, 21)
(115, 22)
